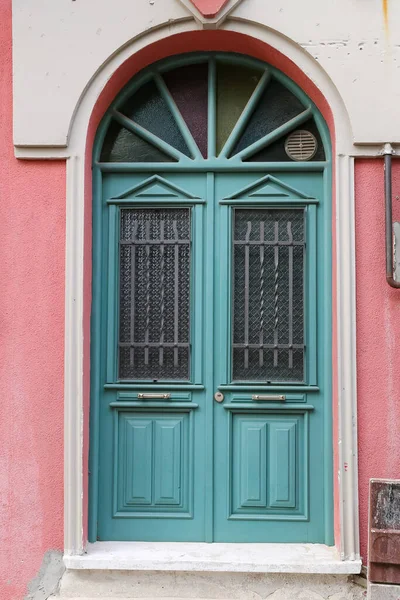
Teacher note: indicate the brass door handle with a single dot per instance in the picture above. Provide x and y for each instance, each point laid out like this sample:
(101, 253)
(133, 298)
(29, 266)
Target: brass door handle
(269, 397)
(154, 396)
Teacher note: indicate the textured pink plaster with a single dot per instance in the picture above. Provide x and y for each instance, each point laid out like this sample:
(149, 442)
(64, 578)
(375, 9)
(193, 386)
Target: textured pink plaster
(378, 337)
(32, 243)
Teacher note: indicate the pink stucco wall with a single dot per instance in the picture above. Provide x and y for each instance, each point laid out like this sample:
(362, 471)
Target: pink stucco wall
(32, 226)
(378, 337)
(32, 247)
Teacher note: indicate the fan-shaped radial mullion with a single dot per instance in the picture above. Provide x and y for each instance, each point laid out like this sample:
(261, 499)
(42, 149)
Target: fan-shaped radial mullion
(274, 135)
(212, 108)
(179, 120)
(148, 136)
(246, 114)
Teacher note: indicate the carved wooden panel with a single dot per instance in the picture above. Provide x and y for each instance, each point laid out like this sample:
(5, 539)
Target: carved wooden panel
(269, 466)
(152, 460)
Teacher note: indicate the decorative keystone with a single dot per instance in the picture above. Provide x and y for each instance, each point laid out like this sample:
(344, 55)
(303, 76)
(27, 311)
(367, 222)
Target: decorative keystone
(210, 14)
(209, 8)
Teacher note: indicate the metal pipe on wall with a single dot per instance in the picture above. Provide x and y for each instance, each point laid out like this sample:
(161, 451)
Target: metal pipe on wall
(388, 153)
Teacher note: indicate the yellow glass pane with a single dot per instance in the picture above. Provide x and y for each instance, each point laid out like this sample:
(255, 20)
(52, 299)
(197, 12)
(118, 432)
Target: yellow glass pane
(235, 85)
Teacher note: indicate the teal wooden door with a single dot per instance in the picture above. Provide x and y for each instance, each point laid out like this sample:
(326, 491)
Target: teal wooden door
(269, 425)
(211, 335)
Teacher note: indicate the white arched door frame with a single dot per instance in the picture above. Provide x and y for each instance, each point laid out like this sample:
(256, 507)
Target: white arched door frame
(345, 374)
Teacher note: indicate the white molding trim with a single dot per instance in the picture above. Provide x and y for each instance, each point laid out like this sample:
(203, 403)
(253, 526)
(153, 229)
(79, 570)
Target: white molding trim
(346, 357)
(55, 153)
(74, 285)
(73, 362)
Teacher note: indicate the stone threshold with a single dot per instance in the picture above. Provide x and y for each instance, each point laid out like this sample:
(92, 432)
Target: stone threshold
(218, 557)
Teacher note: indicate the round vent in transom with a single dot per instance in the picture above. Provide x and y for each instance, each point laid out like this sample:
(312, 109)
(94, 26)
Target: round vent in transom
(301, 145)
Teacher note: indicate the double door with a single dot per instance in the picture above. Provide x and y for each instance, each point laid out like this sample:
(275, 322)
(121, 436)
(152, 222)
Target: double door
(212, 402)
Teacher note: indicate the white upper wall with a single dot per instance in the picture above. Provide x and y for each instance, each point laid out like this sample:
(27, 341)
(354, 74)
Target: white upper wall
(59, 46)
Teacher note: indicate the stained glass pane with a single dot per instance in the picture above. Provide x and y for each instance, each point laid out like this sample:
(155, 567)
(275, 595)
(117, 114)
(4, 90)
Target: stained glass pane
(268, 291)
(276, 106)
(154, 331)
(235, 85)
(189, 88)
(276, 152)
(149, 109)
(120, 145)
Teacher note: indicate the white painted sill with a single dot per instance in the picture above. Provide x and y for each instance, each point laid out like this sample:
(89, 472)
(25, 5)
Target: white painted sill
(194, 556)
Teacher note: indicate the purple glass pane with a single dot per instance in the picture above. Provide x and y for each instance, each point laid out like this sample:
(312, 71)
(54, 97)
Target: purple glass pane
(189, 88)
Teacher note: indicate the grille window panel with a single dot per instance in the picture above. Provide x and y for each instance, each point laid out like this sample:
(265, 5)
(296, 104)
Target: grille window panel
(155, 257)
(268, 295)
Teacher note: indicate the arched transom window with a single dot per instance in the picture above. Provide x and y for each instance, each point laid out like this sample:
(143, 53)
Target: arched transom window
(220, 107)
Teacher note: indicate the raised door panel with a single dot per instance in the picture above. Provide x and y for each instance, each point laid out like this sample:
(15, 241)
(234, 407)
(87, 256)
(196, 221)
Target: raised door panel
(282, 464)
(152, 464)
(253, 459)
(269, 466)
(136, 488)
(168, 462)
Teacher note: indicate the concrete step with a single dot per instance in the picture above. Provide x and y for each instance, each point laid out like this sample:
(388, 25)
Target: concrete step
(181, 585)
(192, 556)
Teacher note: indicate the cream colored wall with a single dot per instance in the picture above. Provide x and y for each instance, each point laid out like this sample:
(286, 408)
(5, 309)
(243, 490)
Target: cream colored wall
(59, 46)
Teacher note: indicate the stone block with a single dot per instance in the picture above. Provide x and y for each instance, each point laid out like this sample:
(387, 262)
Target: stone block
(380, 591)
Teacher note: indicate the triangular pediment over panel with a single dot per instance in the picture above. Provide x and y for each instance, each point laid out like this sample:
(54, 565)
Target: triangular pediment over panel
(156, 187)
(268, 187)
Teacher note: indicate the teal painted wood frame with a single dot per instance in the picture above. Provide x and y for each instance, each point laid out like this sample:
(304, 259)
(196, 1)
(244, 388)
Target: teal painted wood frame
(224, 261)
(196, 317)
(105, 230)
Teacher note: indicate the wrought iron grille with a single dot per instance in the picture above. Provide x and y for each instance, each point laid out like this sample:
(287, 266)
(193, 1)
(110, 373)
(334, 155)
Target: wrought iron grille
(154, 328)
(268, 304)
